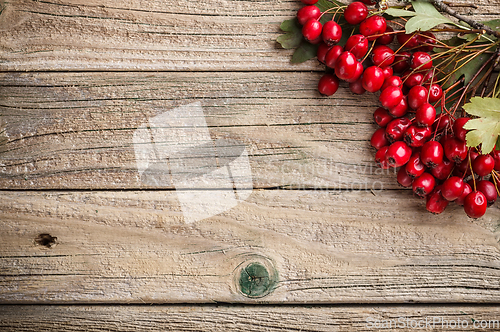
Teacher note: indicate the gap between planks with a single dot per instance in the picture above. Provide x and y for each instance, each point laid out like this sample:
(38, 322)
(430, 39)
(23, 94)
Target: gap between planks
(221, 317)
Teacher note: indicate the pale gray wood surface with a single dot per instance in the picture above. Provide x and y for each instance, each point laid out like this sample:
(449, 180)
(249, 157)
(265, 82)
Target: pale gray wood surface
(75, 130)
(324, 247)
(155, 35)
(249, 318)
(64, 134)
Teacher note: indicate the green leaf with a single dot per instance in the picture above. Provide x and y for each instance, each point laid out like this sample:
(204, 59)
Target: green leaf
(484, 107)
(304, 52)
(423, 23)
(290, 25)
(426, 8)
(427, 17)
(327, 4)
(494, 24)
(293, 37)
(395, 12)
(484, 130)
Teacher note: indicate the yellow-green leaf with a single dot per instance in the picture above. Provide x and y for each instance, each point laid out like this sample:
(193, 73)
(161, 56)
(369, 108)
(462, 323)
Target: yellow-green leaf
(485, 129)
(484, 107)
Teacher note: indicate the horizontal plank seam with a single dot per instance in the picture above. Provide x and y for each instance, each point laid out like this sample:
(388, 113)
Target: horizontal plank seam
(284, 188)
(437, 305)
(285, 70)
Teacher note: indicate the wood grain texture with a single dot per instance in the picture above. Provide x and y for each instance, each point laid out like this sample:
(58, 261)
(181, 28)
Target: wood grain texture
(248, 318)
(324, 247)
(75, 130)
(215, 35)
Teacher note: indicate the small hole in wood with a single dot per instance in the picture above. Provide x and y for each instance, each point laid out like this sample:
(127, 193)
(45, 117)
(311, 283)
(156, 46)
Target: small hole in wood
(46, 240)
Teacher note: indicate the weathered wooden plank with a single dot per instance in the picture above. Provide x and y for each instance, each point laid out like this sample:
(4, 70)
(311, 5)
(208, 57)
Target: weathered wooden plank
(76, 130)
(249, 318)
(160, 35)
(300, 246)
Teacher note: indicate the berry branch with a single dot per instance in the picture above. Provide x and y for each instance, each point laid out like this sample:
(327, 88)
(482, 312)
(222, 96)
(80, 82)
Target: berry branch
(441, 6)
(431, 125)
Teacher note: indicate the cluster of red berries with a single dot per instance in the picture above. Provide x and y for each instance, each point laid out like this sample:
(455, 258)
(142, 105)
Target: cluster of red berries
(429, 149)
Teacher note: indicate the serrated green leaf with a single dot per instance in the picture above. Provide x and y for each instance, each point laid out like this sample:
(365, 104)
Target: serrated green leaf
(423, 23)
(304, 52)
(395, 12)
(293, 37)
(484, 130)
(484, 107)
(484, 133)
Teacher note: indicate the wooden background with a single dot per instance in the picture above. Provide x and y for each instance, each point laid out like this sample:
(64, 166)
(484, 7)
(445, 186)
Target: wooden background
(86, 243)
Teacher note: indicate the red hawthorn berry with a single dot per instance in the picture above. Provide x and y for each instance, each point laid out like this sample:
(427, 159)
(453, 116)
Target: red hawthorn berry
(387, 37)
(396, 129)
(416, 136)
(403, 178)
(328, 84)
(466, 192)
(401, 61)
(356, 87)
(483, 164)
(357, 45)
(331, 33)
(488, 189)
(373, 26)
(400, 109)
(453, 188)
(432, 154)
(414, 167)
(306, 13)
(420, 61)
(378, 139)
(332, 55)
(443, 170)
(435, 202)
(423, 185)
(380, 157)
(382, 56)
(355, 13)
(312, 30)
(373, 79)
(323, 49)
(382, 117)
(417, 97)
(408, 41)
(398, 154)
(475, 204)
(458, 128)
(346, 66)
